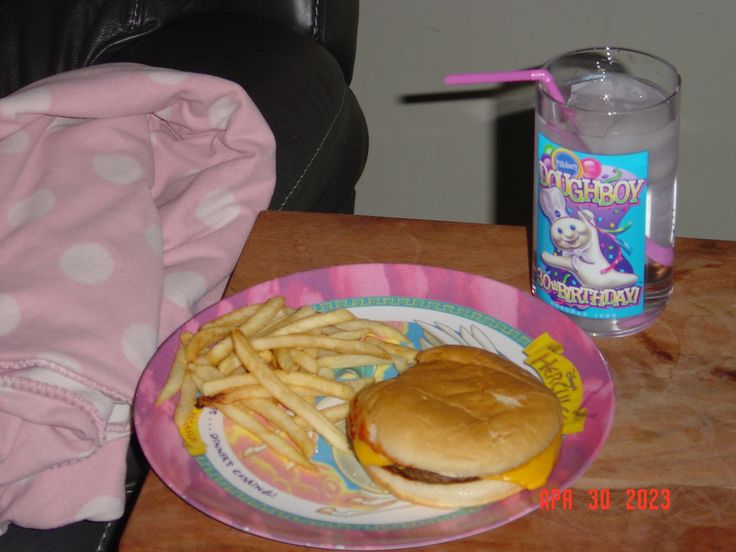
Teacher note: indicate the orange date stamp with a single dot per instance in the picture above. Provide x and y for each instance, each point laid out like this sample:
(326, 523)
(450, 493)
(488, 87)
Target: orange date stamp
(644, 499)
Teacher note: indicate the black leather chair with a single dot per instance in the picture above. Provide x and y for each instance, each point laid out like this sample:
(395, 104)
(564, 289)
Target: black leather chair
(294, 58)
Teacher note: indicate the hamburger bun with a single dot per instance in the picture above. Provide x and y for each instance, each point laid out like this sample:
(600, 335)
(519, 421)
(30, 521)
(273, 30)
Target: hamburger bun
(462, 427)
(455, 495)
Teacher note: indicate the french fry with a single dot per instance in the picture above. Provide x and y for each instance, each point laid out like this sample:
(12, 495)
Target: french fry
(233, 318)
(285, 360)
(263, 316)
(229, 364)
(291, 316)
(323, 386)
(349, 361)
(315, 321)
(318, 341)
(206, 372)
(400, 363)
(223, 384)
(238, 371)
(220, 351)
(326, 373)
(409, 353)
(242, 417)
(305, 361)
(377, 328)
(204, 338)
(255, 365)
(308, 384)
(176, 376)
(359, 383)
(233, 396)
(254, 391)
(278, 416)
(197, 381)
(283, 314)
(187, 399)
(346, 334)
(335, 413)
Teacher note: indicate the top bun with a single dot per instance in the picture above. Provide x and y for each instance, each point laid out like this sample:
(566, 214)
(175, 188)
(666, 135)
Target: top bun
(459, 412)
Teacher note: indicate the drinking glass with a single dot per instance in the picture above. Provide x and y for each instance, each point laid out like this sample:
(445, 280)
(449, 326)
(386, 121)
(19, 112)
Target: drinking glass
(606, 188)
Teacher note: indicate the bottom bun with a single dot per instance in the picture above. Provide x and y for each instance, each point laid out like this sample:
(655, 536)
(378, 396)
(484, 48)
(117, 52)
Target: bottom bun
(451, 495)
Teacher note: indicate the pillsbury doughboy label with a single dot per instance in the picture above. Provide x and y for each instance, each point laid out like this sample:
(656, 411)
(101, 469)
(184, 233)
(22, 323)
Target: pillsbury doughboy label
(591, 222)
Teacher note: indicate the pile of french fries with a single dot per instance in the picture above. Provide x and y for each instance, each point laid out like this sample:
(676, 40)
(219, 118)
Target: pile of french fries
(264, 365)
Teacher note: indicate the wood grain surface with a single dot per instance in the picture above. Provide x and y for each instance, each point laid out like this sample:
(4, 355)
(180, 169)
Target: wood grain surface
(675, 422)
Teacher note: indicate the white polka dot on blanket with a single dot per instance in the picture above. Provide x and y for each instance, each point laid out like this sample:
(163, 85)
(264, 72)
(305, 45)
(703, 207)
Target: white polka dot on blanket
(217, 208)
(87, 263)
(155, 239)
(101, 508)
(166, 76)
(184, 288)
(10, 314)
(220, 111)
(32, 208)
(117, 168)
(36, 100)
(15, 143)
(139, 344)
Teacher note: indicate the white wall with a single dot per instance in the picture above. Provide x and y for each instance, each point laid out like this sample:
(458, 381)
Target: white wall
(453, 153)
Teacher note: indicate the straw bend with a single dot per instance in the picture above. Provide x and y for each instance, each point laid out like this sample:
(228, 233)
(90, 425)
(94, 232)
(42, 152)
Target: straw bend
(541, 75)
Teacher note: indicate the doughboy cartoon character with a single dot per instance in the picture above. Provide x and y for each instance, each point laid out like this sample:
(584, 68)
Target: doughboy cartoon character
(577, 239)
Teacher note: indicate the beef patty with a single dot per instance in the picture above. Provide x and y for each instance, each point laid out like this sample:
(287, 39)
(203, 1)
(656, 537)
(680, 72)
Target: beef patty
(425, 476)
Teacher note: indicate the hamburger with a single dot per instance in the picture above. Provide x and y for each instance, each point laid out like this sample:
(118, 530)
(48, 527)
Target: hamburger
(462, 427)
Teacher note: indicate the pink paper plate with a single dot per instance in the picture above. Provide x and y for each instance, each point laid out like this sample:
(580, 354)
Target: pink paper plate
(337, 507)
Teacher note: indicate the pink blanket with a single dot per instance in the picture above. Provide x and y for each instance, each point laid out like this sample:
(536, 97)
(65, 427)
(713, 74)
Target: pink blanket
(126, 194)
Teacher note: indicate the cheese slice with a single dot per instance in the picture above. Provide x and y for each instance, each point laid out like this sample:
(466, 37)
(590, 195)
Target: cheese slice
(534, 473)
(531, 475)
(367, 456)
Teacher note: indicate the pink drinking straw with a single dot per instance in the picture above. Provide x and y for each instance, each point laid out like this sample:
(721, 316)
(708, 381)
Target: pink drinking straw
(541, 75)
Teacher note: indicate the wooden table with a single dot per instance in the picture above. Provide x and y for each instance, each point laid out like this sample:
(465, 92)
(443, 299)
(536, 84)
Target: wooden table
(675, 424)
